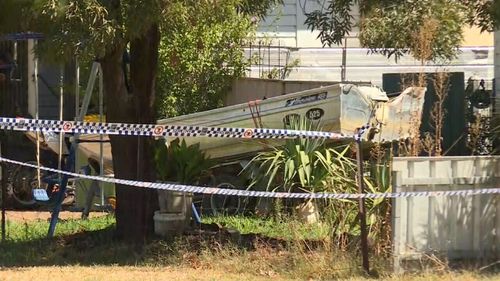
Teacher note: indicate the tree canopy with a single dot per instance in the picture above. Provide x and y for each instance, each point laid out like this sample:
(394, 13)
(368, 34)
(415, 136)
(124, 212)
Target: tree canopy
(391, 26)
(200, 56)
(92, 27)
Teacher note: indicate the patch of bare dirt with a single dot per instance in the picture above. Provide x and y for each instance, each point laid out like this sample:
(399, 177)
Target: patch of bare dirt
(27, 216)
(122, 273)
(132, 273)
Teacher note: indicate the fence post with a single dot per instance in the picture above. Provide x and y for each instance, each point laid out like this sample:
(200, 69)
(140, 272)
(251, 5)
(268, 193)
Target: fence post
(361, 202)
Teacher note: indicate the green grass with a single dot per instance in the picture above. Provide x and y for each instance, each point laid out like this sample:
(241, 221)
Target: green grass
(91, 242)
(286, 228)
(20, 232)
(75, 241)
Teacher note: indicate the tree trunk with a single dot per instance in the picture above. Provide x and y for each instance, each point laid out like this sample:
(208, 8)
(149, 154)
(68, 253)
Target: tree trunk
(132, 156)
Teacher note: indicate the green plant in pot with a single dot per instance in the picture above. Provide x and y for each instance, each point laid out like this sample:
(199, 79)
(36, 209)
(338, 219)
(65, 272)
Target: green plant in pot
(177, 162)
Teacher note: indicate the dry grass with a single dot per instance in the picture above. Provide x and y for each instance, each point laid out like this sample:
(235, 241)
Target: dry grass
(89, 255)
(122, 273)
(290, 261)
(143, 273)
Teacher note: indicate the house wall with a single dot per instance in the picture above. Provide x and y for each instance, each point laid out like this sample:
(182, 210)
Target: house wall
(285, 26)
(473, 37)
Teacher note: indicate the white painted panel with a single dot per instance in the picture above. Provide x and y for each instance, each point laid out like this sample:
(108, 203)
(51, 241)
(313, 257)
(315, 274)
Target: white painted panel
(277, 21)
(305, 37)
(280, 25)
(286, 9)
(277, 32)
(457, 227)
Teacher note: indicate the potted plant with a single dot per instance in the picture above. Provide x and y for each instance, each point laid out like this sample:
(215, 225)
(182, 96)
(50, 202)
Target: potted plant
(179, 163)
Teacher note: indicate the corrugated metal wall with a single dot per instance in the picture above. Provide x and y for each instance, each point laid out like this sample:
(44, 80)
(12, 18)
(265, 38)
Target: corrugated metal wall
(455, 227)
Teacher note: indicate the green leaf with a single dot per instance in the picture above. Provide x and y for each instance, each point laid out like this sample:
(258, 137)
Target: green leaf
(372, 219)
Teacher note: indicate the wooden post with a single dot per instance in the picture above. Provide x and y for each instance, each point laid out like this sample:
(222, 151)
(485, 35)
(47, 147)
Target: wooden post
(361, 202)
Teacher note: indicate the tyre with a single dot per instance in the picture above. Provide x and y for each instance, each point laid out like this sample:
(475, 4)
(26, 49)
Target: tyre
(225, 204)
(228, 204)
(22, 182)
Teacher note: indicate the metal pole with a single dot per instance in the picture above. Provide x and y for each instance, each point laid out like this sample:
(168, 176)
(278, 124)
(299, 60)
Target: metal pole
(269, 67)
(88, 91)
(35, 79)
(279, 60)
(344, 60)
(77, 108)
(59, 197)
(61, 106)
(4, 193)
(101, 137)
(77, 88)
(361, 202)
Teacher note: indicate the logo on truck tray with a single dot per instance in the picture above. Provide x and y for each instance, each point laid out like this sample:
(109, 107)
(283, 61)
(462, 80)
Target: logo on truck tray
(306, 99)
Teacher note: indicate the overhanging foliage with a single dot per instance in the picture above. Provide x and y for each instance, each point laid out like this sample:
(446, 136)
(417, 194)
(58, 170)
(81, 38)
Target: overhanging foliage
(389, 27)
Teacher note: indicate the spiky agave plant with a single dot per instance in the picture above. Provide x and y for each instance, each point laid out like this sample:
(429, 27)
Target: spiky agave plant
(310, 165)
(300, 164)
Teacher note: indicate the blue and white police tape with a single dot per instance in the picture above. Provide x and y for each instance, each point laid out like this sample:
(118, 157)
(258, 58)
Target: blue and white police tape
(155, 130)
(252, 193)
(358, 136)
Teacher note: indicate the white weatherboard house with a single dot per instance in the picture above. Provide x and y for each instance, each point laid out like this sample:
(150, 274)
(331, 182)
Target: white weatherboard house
(285, 31)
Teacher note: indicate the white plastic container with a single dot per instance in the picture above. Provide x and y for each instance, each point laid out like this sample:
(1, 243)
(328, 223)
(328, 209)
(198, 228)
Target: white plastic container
(169, 224)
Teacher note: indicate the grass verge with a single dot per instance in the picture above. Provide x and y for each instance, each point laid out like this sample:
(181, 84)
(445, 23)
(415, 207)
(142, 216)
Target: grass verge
(87, 250)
